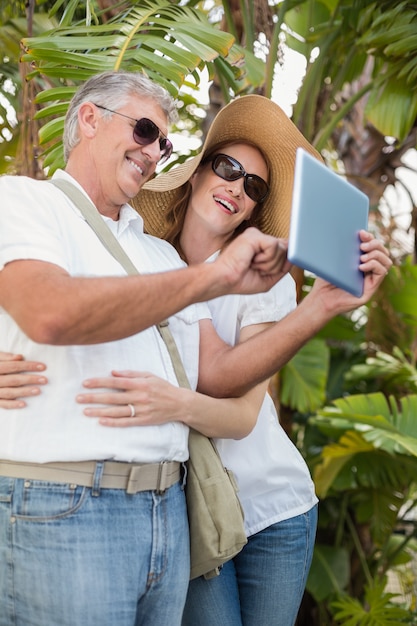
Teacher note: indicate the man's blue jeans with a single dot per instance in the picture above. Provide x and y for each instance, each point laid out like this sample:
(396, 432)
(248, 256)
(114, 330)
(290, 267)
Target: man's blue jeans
(70, 556)
(263, 585)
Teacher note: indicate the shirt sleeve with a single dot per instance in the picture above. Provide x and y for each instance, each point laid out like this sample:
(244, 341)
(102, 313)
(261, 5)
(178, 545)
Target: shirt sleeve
(271, 306)
(28, 222)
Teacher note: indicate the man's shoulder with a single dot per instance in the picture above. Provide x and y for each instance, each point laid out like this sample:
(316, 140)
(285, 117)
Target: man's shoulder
(22, 190)
(18, 181)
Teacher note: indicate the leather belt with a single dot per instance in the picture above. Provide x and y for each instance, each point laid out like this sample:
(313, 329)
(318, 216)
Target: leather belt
(131, 477)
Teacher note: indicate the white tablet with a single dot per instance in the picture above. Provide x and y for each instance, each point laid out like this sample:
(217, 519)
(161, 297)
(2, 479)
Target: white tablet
(327, 215)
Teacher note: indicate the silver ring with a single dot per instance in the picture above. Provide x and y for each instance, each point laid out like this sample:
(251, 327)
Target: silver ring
(132, 410)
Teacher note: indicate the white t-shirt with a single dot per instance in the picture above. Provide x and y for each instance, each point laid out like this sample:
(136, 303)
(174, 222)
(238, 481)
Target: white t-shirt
(37, 221)
(273, 478)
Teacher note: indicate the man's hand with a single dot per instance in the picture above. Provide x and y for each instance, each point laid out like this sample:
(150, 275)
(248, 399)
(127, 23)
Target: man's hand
(16, 381)
(255, 261)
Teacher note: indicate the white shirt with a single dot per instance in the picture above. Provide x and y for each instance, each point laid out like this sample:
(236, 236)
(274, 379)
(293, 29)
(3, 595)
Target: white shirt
(37, 221)
(273, 478)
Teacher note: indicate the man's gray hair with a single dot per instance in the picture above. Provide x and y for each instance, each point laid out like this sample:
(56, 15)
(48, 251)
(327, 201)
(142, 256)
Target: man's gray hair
(112, 90)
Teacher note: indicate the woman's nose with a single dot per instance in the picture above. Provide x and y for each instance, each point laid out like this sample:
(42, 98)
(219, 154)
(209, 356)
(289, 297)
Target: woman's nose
(235, 186)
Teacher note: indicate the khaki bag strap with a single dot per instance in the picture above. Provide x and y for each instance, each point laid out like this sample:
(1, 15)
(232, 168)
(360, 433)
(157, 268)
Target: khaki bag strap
(103, 232)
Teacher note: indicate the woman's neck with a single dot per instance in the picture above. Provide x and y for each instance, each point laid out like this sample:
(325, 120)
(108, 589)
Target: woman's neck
(197, 241)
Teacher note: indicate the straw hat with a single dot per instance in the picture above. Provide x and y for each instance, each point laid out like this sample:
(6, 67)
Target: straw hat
(253, 119)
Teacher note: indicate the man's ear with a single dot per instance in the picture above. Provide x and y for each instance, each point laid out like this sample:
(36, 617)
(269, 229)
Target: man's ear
(88, 119)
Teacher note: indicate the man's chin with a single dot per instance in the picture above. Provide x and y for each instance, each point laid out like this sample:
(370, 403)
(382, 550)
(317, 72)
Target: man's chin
(131, 191)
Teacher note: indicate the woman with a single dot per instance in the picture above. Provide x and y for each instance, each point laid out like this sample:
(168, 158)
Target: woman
(264, 584)
(243, 176)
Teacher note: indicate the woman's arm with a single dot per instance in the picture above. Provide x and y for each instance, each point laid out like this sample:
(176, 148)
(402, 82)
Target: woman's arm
(156, 401)
(230, 371)
(17, 381)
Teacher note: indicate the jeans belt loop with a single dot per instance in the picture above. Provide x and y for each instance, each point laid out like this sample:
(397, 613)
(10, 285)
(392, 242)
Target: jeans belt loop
(98, 473)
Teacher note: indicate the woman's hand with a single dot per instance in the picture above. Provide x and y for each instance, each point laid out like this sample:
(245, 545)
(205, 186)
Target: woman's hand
(133, 399)
(19, 379)
(375, 263)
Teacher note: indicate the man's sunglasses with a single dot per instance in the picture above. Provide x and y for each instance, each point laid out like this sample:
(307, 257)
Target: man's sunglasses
(145, 132)
(229, 169)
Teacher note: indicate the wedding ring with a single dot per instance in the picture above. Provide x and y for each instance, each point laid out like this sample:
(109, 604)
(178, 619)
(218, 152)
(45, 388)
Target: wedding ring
(132, 410)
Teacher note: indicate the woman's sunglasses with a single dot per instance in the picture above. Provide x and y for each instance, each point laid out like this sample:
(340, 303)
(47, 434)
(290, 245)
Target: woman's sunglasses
(145, 132)
(229, 169)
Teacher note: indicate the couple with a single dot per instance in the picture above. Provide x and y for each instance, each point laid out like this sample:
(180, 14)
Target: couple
(88, 554)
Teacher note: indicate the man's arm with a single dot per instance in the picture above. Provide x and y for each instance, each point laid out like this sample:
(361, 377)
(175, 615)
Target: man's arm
(55, 308)
(226, 372)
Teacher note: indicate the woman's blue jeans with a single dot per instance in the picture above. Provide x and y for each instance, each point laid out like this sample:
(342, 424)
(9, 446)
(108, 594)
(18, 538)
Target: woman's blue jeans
(75, 556)
(263, 585)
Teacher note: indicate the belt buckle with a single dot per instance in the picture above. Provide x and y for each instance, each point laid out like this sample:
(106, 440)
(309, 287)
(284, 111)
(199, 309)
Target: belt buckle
(162, 481)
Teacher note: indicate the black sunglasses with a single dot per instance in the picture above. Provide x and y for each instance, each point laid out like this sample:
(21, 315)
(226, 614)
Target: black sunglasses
(228, 168)
(145, 132)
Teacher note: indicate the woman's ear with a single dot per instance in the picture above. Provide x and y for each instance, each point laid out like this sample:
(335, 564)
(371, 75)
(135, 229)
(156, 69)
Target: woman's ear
(193, 178)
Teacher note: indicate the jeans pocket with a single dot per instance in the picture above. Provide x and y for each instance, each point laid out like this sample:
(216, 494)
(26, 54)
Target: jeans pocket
(36, 500)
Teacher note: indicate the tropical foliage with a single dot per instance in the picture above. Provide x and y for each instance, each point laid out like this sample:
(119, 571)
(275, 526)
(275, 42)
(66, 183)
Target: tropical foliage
(361, 444)
(167, 41)
(350, 396)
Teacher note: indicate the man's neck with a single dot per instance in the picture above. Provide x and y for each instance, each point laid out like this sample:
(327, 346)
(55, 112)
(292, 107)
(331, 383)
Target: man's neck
(94, 193)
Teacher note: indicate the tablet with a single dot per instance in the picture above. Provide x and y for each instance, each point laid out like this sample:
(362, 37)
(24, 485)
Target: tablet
(326, 217)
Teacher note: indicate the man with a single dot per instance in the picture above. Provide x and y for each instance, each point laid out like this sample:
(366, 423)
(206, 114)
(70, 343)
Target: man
(86, 541)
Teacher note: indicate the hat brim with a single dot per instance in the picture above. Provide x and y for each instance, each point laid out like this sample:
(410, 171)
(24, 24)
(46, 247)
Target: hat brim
(250, 119)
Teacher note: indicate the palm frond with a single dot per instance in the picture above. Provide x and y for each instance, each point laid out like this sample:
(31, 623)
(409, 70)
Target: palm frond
(166, 41)
(303, 382)
(378, 608)
(368, 425)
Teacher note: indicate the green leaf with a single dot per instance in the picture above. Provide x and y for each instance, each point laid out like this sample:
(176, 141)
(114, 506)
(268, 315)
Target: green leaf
(334, 457)
(51, 130)
(304, 378)
(392, 107)
(377, 609)
(367, 423)
(329, 572)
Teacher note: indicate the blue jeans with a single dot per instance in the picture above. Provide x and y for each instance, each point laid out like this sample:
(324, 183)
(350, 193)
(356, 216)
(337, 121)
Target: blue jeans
(263, 585)
(75, 556)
